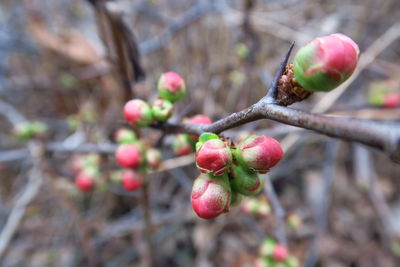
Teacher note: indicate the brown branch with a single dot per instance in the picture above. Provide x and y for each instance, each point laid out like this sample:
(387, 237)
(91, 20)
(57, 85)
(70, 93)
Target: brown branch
(384, 136)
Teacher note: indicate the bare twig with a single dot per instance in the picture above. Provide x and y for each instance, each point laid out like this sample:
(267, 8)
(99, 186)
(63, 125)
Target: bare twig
(191, 15)
(32, 188)
(380, 44)
(320, 204)
(278, 210)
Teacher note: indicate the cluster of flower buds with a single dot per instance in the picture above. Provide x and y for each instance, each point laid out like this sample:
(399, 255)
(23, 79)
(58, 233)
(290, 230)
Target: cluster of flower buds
(385, 93)
(256, 206)
(171, 87)
(86, 170)
(272, 254)
(234, 170)
(30, 129)
(133, 155)
(184, 144)
(325, 62)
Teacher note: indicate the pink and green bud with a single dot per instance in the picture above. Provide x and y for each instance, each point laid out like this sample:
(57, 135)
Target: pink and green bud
(153, 158)
(171, 86)
(326, 62)
(30, 129)
(198, 120)
(256, 207)
(182, 145)
(259, 153)
(131, 180)
(267, 247)
(245, 181)
(85, 182)
(391, 100)
(162, 109)
(129, 155)
(280, 253)
(213, 157)
(125, 136)
(138, 113)
(211, 196)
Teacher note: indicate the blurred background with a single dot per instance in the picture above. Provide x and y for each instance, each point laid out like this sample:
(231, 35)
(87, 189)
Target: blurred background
(73, 64)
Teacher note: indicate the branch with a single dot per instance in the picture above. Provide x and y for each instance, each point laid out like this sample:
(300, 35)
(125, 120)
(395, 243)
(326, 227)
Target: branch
(191, 15)
(31, 190)
(384, 136)
(278, 210)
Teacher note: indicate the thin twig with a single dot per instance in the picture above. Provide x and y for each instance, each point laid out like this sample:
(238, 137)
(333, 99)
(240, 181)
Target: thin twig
(278, 211)
(320, 204)
(31, 190)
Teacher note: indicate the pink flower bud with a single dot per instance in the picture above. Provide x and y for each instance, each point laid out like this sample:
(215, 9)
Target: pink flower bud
(153, 158)
(171, 86)
(326, 62)
(138, 113)
(210, 196)
(125, 136)
(128, 156)
(199, 120)
(84, 182)
(182, 145)
(213, 156)
(131, 180)
(259, 153)
(162, 109)
(245, 181)
(280, 253)
(391, 100)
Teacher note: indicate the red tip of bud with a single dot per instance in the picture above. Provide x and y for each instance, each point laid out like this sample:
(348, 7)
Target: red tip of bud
(391, 100)
(131, 180)
(84, 182)
(260, 153)
(200, 120)
(128, 156)
(280, 253)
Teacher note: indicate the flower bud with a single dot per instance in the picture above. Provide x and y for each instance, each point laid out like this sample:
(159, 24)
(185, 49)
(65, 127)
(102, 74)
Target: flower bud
(267, 247)
(211, 196)
(131, 180)
(259, 153)
(128, 156)
(280, 253)
(84, 182)
(182, 145)
(198, 120)
(30, 129)
(138, 113)
(171, 86)
(391, 100)
(326, 62)
(162, 109)
(245, 181)
(125, 136)
(213, 156)
(153, 158)
(262, 262)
